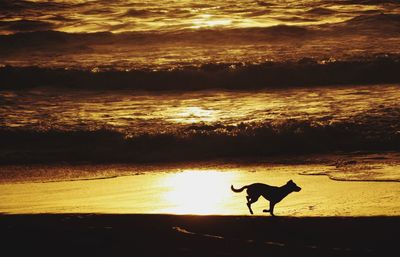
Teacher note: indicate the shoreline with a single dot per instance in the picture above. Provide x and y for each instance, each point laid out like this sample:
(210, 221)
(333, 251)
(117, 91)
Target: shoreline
(196, 235)
(200, 190)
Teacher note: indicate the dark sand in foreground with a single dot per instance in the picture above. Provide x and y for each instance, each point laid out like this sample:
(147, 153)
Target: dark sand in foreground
(174, 235)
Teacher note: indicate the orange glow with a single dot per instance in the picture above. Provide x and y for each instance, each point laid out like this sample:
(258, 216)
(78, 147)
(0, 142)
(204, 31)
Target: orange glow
(194, 114)
(205, 191)
(238, 91)
(207, 20)
(198, 191)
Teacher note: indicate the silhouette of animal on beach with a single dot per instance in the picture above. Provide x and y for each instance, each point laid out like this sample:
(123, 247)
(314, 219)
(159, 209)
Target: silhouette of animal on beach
(271, 193)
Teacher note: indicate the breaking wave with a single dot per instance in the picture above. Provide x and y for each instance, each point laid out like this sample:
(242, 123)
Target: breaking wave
(200, 142)
(305, 72)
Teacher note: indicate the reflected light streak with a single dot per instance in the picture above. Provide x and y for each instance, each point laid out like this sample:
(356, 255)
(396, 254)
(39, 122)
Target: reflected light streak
(198, 192)
(194, 114)
(206, 20)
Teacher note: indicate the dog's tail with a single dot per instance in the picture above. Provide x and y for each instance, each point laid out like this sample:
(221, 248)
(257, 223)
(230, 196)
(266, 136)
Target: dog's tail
(238, 190)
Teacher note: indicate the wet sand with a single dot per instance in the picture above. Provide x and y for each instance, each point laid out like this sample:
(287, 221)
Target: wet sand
(204, 191)
(120, 216)
(183, 235)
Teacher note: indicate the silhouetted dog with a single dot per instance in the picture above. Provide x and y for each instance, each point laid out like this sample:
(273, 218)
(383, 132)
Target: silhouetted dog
(273, 194)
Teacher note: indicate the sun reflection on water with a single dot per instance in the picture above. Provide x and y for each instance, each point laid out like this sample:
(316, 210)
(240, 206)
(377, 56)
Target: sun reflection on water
(207, 20)
(193, 114)
(198, 191)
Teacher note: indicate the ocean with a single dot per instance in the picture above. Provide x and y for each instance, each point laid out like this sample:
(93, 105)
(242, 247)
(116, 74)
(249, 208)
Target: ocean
(189, 36)
(100, 89)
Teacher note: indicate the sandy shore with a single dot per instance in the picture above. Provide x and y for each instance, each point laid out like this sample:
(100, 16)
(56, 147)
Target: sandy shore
(182, 235)
(205, 192)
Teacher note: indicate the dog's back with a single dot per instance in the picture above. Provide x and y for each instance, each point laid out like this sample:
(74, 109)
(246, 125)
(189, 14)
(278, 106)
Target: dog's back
(258, 189)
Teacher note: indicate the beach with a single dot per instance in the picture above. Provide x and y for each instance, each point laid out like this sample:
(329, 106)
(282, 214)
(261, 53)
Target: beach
(189, 210)
(188, 235)
(130, 128)
(201, 188)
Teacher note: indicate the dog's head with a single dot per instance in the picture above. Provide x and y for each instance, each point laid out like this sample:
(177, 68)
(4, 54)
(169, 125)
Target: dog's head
(293, 186)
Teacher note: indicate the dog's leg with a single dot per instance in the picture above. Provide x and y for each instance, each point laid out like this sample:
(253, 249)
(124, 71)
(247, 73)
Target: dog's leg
(249, 206)
(268, 210)
(271, 208)
(249, 202)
